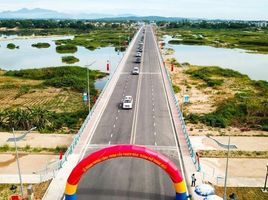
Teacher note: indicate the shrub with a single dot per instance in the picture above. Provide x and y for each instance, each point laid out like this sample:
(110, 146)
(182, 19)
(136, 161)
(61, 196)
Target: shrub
(70, 59)
(41, 45)
(68, 48)
(11, 46)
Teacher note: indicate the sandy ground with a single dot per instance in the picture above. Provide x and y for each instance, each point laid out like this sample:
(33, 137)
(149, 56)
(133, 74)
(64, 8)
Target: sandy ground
(28, 163)
(38, 140)
(241, 172)
(31, 163)
(242, 143)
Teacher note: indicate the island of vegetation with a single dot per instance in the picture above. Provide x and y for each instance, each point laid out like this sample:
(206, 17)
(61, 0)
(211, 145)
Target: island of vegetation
(226, 35)
(12, 46)
(67, 48)
(69, 59)
(41, 45)
(48, 98)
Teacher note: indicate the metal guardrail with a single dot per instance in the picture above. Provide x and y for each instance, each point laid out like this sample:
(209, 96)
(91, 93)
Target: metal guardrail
(50, 171)
(193, 154)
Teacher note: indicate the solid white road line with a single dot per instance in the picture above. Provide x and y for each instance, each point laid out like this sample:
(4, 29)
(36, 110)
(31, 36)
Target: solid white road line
(136, 111)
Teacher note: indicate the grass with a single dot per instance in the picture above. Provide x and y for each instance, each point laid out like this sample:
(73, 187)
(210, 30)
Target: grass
(69, 59)
(243, 193)
(41, 45)
(48, 98)
(249, 39)
(233, 154)
(28, 149)
(246, 107)
(67, 48)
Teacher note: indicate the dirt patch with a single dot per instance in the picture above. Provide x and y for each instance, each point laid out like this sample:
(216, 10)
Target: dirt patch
(34, 139)
(29, 163)
(40, 189)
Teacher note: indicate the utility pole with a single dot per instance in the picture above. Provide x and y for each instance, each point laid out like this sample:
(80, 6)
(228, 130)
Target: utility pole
(226, 171)
(265, 188)
(18, 164)
(88, 89)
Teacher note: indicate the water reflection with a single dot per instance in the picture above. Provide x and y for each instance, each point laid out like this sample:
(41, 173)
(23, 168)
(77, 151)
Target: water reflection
(254, 65)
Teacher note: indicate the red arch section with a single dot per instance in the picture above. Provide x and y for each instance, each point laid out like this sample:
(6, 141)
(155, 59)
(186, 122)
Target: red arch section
(125, 151)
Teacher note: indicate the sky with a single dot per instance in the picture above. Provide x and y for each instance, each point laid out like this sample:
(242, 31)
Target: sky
(209, 9)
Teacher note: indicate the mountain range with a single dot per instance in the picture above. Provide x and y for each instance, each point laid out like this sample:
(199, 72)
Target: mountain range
(38, 13)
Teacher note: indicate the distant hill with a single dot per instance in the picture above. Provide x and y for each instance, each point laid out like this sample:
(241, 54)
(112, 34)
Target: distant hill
(39, 13)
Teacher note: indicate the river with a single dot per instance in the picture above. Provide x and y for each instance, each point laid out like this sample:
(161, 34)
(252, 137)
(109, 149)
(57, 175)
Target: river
(252, 64)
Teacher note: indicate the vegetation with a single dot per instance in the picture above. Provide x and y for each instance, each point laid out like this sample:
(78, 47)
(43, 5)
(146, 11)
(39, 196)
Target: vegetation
(11, 46)
(88, 33)
(68, 48)
(243, 193)
(73, 77)
(100, 38)
(38, 190)
(28, 149)
(228, 35)
(176, 88)
(49, 110)
(233, 154)
(70, 59)
(41, 45)
(58, 27)
(44, 120)
(248, 107)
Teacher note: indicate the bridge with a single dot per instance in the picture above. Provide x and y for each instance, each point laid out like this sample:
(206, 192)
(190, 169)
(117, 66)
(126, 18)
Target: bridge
(155, 122)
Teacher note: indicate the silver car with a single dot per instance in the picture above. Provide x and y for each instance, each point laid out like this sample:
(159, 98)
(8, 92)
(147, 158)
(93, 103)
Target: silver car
(135, 71)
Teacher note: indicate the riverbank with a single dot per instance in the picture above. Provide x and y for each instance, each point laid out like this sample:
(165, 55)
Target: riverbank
(253, 40)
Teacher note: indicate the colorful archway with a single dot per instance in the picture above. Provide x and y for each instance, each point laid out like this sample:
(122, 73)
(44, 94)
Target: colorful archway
(125, 151)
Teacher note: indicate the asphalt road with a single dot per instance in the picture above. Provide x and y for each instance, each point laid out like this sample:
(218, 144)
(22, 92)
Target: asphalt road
(148, 123)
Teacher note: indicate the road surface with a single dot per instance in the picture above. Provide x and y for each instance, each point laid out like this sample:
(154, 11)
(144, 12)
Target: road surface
(148, 123)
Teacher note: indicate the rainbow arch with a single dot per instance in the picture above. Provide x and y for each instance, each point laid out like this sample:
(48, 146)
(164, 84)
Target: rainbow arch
(125, 151)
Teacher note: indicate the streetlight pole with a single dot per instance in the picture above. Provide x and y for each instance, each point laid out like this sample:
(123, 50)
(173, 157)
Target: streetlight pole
(226, 171)
(264, 188)
(88, 89)
(17, 158)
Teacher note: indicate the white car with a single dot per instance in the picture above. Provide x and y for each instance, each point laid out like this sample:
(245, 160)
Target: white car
(138, 54)
(135, 71)
(127, 102)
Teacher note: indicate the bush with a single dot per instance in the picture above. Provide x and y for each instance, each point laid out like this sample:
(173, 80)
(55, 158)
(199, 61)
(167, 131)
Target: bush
(70, 59)
(68, 48)
(41, 45)
(11, 46)
(176, 88)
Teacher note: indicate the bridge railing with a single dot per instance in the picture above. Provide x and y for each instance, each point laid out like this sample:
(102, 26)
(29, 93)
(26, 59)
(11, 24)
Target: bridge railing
(193, 154)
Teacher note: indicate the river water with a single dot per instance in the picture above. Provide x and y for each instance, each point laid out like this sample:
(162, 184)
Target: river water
(26, 56)
(252, 64)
